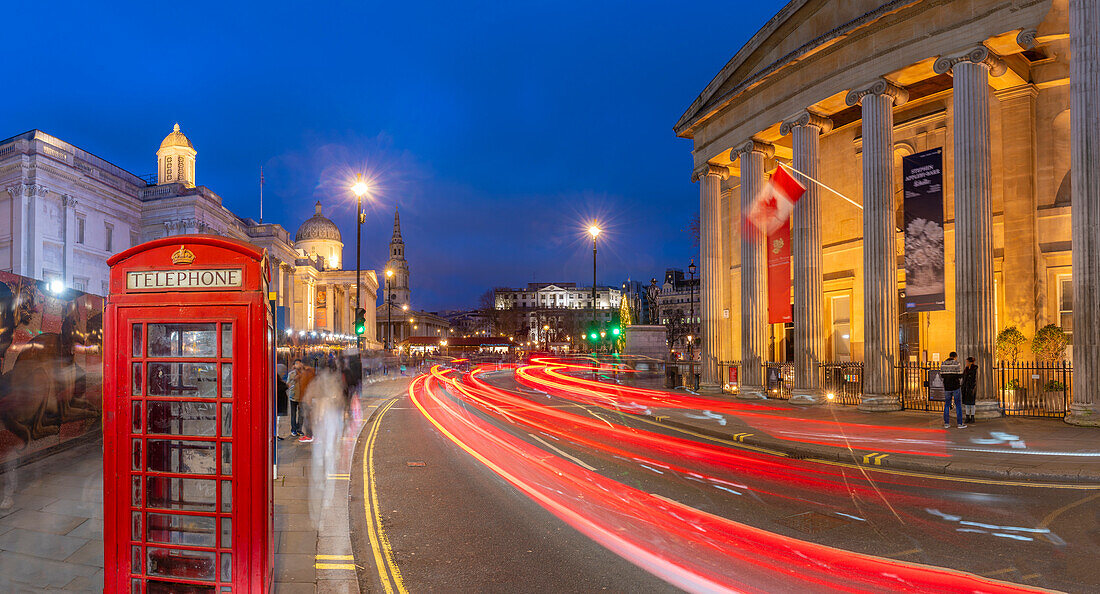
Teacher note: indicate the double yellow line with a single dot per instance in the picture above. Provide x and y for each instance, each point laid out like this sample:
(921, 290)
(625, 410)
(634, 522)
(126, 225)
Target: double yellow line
(388, 573)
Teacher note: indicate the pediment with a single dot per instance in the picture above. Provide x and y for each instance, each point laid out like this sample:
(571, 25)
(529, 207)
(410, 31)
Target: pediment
(798, 30)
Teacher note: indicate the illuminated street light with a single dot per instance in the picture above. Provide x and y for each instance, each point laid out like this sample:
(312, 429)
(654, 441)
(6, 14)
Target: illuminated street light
(593, 231)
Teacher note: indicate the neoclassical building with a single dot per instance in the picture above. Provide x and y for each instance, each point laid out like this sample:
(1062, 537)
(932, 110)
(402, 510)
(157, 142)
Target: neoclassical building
(843, 92)
(64, 211)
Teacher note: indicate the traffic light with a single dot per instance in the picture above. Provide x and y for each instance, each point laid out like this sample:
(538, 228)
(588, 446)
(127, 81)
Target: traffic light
(593, 336)
(360, 322)
(615, 331)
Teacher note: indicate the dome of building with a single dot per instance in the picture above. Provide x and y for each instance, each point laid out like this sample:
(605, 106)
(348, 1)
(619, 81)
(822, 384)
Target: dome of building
(317, 227)
(176, 138)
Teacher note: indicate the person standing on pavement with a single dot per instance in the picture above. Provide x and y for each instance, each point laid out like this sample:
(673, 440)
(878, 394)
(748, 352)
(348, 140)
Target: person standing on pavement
(951, 371)
(969, 388)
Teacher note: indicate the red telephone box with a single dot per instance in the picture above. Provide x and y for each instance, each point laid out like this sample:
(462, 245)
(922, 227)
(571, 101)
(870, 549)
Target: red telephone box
(187, 448)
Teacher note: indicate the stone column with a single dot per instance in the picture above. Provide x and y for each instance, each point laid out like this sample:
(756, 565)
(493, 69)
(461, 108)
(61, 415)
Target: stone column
(349, 311)
(806, 129)
(974, 295)
(68, 229)
(880, 267)
(710, 280)
(1084, 102)
(754, 272)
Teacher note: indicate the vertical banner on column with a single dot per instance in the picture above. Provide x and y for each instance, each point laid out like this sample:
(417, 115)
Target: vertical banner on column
(779, 275)
(924, 256)
(320, 309)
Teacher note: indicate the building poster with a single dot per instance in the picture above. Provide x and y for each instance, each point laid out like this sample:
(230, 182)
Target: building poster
(779, 275)
(922, 176)
(321, 309)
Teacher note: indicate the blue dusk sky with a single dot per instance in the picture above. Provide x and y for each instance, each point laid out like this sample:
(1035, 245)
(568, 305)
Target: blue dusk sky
(500, 129)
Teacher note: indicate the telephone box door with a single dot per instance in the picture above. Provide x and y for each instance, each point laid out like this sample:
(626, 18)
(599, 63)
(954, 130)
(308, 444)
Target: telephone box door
(182, 458)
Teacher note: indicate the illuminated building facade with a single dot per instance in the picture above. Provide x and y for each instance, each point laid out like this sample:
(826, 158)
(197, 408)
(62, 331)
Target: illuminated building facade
(64, 211)
(844, 92)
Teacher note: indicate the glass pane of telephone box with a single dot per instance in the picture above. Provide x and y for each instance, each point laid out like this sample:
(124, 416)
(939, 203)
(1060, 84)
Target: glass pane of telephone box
(178, 563)
(184, 380)
(180, 456)
(182, 340)
(184, 494)
(182, 418)
(195, 531)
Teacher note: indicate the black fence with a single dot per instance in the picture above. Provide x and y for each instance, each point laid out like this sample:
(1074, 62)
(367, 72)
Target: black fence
(1028, 389)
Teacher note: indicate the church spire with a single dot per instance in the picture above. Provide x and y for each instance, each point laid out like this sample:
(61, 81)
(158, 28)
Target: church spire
(396, 226)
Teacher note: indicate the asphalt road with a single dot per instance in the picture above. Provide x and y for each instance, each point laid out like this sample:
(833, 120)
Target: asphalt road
(453, 525)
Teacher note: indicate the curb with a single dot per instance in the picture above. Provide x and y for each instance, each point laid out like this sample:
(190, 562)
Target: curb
(1071, 474)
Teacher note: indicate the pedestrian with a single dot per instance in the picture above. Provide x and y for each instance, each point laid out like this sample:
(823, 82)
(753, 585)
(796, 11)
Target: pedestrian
(951, 371)
(305, 378)
(294, 393)
(969, 388)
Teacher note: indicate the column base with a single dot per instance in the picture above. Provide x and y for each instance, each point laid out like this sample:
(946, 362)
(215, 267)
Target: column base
(807, 397)
(706, 388)
(1083, 415)
(752, 393)
(879, 403)
(987, 409)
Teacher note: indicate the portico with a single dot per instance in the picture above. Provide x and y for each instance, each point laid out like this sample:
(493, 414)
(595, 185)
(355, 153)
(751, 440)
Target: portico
(840, 93)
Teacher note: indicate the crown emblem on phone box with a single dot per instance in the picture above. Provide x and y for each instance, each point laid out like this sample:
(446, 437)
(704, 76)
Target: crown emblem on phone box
(183, 256)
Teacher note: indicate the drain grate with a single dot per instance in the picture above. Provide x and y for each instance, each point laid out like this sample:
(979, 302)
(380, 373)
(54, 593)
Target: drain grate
(812, 522)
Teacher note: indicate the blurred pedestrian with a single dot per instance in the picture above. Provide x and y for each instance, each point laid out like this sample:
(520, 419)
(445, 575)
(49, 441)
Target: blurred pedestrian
(305, 379)
(951, 371)
(294, 394)
(969, 388)
(281, 396)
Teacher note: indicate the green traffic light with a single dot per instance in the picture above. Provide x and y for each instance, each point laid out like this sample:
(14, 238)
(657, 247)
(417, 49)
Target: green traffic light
(593, 336)
(360, 330)
(615, 331)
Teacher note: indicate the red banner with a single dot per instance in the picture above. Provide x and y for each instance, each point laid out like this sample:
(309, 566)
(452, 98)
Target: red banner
(779, 275)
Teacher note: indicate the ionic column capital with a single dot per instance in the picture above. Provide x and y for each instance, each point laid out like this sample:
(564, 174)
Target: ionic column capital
(754, 146)
(806, 118)
(977, 55)
(1026, 38)
(878, 87)
(710, 169)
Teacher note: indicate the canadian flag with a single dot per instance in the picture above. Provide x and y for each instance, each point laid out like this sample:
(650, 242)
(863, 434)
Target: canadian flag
(774, 203)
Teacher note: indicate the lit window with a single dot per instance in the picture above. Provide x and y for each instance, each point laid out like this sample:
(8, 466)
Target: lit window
(1065, 303)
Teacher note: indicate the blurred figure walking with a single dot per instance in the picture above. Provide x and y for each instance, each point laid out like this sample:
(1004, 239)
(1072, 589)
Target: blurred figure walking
(951, 370)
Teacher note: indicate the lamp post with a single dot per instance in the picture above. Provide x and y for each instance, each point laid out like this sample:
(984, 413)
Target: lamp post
(360, 189)
(691, 319)
(594, 231)
(389, 311)
(546, 336)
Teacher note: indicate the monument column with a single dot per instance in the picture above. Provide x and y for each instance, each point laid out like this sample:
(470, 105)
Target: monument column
(806, 129)
(710, 298)
(1084, 101)
(880, 268)
(754, 272)
(974, 295)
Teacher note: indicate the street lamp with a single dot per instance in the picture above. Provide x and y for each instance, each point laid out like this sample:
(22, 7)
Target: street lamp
(594, 231)
(359, 189)
(389, 311)
(546, 336)
(691, 301)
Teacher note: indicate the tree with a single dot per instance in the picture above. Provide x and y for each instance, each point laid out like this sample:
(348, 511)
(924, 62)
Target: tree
(1009, 343)
(693, 230)
(1050, 343)
(676, 327)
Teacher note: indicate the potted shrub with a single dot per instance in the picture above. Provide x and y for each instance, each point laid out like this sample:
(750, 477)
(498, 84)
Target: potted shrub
(1054, 396)
(1014, 395)
(1010, 342)
(1049, 346)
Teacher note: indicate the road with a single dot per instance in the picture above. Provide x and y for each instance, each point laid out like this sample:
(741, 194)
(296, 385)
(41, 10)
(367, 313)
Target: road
(481, 482)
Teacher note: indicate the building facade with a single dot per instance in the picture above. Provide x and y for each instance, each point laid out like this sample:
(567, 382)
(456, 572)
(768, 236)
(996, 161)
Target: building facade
(842, 92)
(64, 211)
(678, 309)
(553, 313)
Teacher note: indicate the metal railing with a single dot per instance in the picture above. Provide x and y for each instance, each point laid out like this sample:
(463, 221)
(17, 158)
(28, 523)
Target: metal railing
(1034, 389)
(844, 380)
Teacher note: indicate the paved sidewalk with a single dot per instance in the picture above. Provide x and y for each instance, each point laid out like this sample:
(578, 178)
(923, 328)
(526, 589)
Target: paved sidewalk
(1006, 447)
(51, 538)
